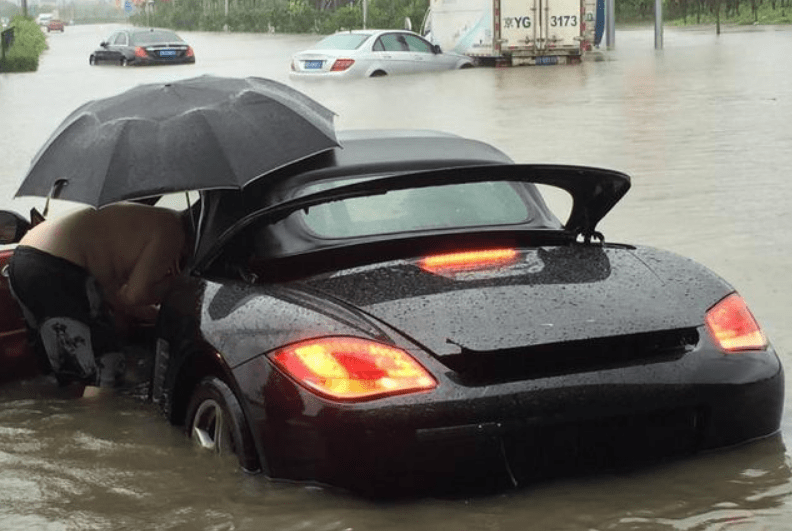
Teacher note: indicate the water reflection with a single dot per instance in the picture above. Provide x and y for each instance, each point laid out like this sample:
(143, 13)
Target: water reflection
(100, 466)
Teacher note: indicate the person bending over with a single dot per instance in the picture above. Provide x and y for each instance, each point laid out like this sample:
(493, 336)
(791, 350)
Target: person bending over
(78, 278)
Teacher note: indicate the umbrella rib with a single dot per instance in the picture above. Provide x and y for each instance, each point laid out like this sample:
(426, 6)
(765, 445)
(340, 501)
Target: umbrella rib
(126, 124)
(218, 142)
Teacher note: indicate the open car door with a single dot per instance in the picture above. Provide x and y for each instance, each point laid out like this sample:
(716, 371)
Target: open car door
(17, 360)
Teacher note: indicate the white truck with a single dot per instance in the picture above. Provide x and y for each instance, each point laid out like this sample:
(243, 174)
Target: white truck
(513, 32)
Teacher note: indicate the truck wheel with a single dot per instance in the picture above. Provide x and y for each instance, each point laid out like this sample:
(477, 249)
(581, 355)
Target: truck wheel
(217, 424)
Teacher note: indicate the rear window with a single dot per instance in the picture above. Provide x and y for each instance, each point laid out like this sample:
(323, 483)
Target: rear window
(155, 37)
(431, 208)
(342, 41)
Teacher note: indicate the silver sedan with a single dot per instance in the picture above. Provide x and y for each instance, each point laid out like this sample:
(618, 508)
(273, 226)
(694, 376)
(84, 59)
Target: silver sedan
(371, 53)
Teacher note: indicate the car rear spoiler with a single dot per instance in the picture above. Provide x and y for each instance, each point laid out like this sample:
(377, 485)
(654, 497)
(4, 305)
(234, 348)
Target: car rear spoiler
(594, 191)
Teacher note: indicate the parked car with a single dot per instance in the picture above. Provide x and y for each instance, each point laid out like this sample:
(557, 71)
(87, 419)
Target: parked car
(372, 53)
(143, 46)
(55, 25)
(43, 19)
(406, 313)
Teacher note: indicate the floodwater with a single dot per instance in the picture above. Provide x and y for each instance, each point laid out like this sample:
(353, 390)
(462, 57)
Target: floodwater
(703, 126)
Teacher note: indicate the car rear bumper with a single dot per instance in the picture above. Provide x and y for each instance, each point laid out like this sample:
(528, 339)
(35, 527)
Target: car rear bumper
(501, 435)
(322, 74)
(150, 61)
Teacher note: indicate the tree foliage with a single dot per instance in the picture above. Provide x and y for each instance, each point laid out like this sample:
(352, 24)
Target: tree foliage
(327, 16)
(29, 43)
(285, 16)
(706, 11)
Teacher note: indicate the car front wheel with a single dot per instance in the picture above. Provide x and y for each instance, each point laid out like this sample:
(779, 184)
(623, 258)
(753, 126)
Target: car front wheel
(92, 60)
(216, 423)
(124, 61)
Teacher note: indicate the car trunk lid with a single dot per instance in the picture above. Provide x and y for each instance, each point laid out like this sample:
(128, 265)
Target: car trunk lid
(566, 294)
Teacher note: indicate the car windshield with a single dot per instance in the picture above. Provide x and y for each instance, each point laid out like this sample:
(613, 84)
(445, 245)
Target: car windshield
(154, 37)
(342, 41)
(418, 209)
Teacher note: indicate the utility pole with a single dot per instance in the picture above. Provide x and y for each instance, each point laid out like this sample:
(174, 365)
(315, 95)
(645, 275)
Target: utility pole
(610, 24)
(658, 24)
(365, 12)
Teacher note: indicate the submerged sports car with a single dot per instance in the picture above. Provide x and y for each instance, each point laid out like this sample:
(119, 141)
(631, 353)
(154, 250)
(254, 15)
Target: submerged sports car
(406, 313)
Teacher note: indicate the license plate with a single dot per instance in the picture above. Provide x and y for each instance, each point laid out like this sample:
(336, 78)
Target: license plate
(547, 60)
(167, 53)
(313, 65)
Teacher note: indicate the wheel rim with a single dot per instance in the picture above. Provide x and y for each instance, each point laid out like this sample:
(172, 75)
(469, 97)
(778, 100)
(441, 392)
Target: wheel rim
(210, 429)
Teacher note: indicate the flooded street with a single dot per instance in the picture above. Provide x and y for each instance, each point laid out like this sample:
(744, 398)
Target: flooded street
(702, 126)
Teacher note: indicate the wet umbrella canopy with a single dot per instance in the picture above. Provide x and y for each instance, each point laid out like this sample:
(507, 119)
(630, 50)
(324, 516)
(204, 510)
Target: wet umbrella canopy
(195, 134)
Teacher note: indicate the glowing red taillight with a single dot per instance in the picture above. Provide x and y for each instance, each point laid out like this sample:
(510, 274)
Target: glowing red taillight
(733, 327)
(140, 52)
(341, 64)
(349, 368)
(469, 260)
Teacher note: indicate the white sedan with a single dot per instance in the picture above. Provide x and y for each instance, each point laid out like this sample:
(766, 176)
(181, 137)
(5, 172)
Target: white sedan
(371, 53)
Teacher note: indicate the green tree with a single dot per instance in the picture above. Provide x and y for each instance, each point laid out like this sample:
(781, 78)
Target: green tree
(29, 43)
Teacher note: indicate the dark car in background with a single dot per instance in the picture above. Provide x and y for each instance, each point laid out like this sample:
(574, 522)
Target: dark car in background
(143, 46)
(406, 313)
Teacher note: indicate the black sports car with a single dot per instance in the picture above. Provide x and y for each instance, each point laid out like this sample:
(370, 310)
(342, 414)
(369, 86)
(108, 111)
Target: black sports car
(142, 46)
(406, 313)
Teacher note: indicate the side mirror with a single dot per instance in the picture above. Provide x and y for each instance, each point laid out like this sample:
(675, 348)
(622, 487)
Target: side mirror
(103, 44)
(12, 227)
(436, 49)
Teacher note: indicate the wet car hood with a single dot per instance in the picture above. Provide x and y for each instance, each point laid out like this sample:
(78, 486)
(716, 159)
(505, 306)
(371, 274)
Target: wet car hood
(548, 295)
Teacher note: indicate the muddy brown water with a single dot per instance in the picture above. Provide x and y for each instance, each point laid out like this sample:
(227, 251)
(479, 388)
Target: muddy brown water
(703, 128)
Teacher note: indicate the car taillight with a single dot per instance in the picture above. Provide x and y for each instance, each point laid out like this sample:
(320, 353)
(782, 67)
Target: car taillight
(733, 327)
(140, 52)
(354, 369)
(189, 52)
(468, 260)
(341, 64)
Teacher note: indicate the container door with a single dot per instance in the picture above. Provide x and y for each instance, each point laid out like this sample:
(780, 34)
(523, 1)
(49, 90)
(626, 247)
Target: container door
(561, 24)
(519, 26)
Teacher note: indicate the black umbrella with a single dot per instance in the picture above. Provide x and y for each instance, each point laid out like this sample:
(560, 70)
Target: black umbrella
(194, 134)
